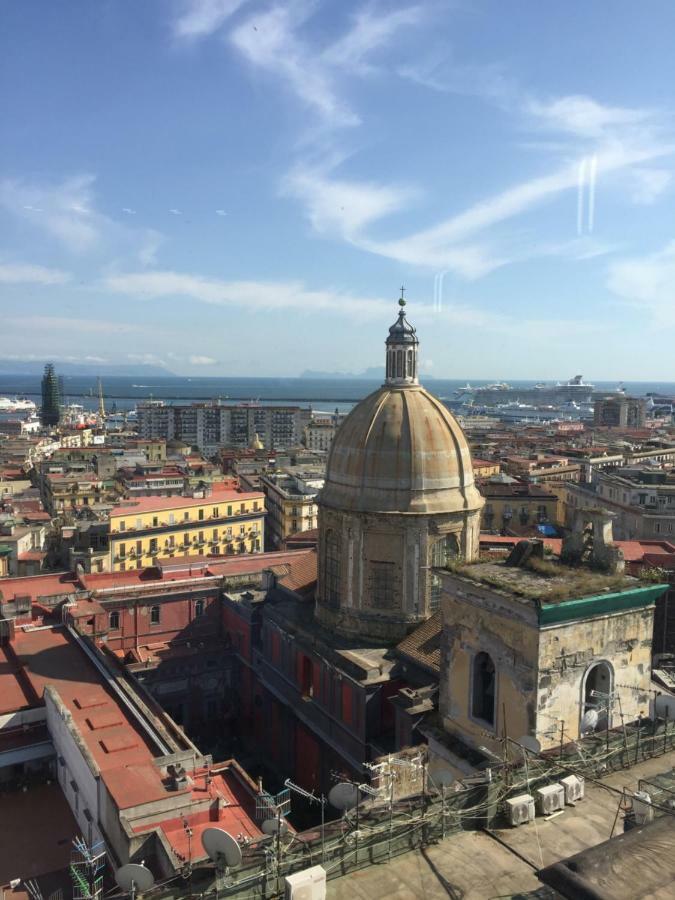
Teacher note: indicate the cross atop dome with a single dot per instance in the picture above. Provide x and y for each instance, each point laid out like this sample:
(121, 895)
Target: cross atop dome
(402, 343)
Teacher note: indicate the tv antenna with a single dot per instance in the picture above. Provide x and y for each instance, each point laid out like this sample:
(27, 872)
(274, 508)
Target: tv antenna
(311, 796)
(134, 878)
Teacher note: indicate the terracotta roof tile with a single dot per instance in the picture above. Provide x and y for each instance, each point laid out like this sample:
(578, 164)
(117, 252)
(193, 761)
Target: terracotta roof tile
(423, 645)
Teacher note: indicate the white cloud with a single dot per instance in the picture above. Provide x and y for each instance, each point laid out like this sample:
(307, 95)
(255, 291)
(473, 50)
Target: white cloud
(342, 207)
(202, 361)
(268, 295)
(649, 185)
(585, 117)
(459, 243)
(370, 31)
(62, 210)
(37, 323)
(201, 18)
(270, 42)
(20, 273)
(66, 211)
(647, 282)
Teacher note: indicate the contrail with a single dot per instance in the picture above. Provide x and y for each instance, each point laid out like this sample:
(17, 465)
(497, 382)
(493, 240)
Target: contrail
(580, 195)
(591, 193)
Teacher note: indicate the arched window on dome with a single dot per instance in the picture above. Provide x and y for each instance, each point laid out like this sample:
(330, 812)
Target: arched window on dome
(409, 366)
(483, 688)
(399, 363)
(445, 550)
(332, 569)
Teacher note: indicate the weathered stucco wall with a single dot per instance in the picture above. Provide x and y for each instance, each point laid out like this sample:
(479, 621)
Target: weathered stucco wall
(477, 619)
(540, 671)
(568, 652)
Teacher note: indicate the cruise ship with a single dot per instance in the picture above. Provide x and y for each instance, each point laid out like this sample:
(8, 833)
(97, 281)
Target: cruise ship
(16, 405)
(575, 390)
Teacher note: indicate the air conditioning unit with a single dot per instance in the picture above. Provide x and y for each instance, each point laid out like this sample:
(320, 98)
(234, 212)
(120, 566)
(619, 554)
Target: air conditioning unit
(642, 808)
(310, 884)
(550, 798)
(574, 788)
(520, 809)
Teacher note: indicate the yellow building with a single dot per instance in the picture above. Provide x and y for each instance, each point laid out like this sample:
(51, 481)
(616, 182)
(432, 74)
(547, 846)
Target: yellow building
(152, 528)
(510, 503)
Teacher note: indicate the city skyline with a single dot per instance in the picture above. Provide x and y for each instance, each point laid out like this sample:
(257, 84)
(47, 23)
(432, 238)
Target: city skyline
(187, 183)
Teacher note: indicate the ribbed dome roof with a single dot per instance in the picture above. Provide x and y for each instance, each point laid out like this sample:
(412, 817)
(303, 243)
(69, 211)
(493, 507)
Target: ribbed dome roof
(400, 450)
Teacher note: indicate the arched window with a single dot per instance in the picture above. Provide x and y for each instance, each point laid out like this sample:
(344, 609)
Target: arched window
(409, 367)
(483, 688)
(399, 364)
(154, 615)
(199, 608)
(114, 620)
(332, 569)
(596, 698)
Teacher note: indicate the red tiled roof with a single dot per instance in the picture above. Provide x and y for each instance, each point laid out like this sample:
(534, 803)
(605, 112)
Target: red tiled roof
(35, 586)
(150, 504)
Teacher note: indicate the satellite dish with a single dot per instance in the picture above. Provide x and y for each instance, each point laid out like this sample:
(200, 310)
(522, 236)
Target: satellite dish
(221, 847)
(271, 826)
(344, 796)
(134, 877)
(444, 778)
(589, 721)
(664, 705)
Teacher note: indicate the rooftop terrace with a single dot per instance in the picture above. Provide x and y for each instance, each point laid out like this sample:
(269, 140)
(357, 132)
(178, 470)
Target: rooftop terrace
(548, 581)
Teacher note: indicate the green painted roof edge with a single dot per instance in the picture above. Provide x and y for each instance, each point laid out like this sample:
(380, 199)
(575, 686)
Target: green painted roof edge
(599, 604)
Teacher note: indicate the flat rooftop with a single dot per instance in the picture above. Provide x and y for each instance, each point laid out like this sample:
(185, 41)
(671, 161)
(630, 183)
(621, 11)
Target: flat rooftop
(47, 852)
(116, 741)
(475, 865)
(547, 580)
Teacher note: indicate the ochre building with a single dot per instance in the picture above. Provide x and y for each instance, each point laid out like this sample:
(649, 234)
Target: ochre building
(151, 528)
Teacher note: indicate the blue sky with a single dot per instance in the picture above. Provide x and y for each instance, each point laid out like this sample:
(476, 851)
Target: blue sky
(239, 187)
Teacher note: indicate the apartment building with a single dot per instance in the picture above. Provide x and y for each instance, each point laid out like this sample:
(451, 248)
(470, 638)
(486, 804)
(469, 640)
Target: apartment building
(290, 496)
(148, 529)
(509, 504)
(211, 426)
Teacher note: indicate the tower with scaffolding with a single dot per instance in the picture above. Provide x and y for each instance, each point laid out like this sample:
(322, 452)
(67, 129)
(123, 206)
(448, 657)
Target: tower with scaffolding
(87, 865)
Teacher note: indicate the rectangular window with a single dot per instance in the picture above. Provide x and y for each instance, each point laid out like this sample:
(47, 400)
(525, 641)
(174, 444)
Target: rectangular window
(215, 512)
(229, 510)
(186, 516)
(139, 548)
(382, 584)
(139, 524)
(123, 549)
(201, 514)
(155, 521)
(186, 539)
(123, 526)
(214, 534)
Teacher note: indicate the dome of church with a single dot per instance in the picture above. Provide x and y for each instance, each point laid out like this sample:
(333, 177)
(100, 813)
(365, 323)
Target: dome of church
(398, 503)
(400, 450)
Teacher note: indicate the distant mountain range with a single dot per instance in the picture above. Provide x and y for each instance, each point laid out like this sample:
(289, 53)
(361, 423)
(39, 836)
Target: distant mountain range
(33, 367)
(375, 373)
